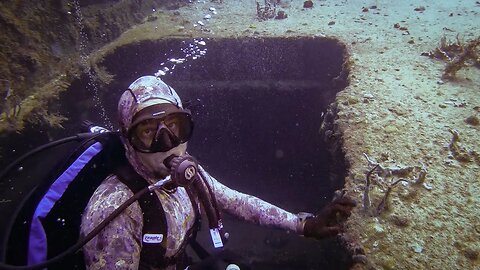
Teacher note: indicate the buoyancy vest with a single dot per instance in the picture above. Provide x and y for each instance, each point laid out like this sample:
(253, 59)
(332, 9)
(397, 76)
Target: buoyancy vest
(47, 219)
(155, 226)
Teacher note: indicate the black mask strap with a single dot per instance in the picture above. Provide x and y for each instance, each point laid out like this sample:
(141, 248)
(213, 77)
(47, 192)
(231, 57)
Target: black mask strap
(133, 95)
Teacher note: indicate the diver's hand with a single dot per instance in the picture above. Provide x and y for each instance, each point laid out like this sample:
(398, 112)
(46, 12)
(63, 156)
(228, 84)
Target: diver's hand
(328, 222)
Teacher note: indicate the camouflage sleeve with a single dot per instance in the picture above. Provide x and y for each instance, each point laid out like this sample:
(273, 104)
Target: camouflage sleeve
(251, 208)
(117, 246)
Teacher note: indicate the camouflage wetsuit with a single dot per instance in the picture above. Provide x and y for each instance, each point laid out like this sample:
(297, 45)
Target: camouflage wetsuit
(118, 245)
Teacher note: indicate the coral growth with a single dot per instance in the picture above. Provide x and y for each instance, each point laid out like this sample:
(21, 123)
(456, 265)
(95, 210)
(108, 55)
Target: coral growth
(384, 204)
(35, 106)
(308, 4)
(366, 196)
(267, 11)
(458, 152)
(10, 103)
(457, 55)
(390, 172)
(40, 116)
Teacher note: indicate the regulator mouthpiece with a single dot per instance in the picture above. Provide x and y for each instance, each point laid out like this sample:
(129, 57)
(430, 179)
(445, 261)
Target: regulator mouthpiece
(183, 169)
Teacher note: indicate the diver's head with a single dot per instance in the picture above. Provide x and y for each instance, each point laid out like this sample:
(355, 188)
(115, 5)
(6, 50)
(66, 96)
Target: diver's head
(154, 125)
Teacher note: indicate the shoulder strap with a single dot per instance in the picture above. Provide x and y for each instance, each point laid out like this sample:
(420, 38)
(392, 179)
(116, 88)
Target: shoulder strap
(154, 232)
(154, 221)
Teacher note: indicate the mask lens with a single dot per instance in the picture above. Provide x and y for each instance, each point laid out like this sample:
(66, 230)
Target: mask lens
(180, 125)
(161, 135)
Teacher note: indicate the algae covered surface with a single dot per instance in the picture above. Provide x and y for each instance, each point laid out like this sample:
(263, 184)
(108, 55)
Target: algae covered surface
(46, 46)
(399, 111)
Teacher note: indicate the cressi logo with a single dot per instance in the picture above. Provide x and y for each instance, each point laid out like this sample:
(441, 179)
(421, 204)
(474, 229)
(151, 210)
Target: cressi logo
(152, 238)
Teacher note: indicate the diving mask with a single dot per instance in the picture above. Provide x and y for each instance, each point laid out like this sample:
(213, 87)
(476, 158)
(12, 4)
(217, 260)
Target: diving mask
(159, 128)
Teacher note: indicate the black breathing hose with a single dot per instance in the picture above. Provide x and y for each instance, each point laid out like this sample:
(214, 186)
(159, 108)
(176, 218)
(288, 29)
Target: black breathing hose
(185, 173)
(204, 194)
(80, 136)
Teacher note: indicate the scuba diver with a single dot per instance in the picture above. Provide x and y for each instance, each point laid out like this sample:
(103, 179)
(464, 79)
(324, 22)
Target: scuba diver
(155, 126)
(142, 196)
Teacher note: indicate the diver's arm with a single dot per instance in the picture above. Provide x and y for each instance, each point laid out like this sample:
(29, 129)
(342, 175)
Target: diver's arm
(252, 208)
(117, 246)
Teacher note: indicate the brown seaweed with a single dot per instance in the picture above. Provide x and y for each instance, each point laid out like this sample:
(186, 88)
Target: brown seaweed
(457, 55)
